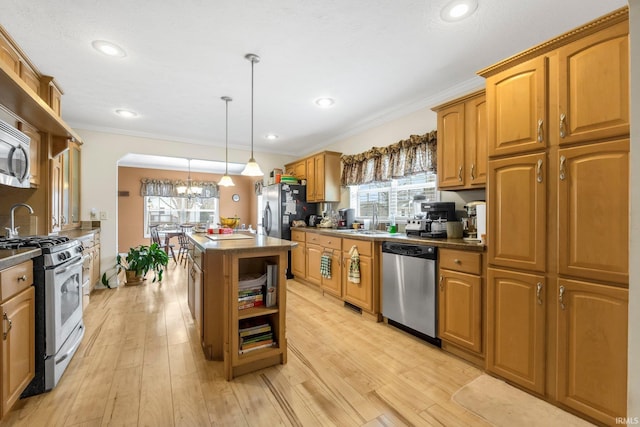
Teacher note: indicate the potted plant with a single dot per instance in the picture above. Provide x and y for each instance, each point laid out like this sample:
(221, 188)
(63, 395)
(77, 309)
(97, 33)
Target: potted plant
(140, 260)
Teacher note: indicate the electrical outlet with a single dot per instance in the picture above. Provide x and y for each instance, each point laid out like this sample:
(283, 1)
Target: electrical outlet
(103, 215)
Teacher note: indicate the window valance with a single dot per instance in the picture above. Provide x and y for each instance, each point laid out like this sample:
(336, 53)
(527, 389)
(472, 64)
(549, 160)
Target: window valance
(407, 157)
(169, 188)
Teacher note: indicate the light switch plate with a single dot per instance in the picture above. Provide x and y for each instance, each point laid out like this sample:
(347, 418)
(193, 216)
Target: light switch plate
(103, 215)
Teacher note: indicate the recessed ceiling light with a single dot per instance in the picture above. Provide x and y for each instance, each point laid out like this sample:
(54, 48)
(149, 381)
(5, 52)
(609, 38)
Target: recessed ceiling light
(325, 102)
(271, 136)
(127, 114)
(108, 48)
(457, 10)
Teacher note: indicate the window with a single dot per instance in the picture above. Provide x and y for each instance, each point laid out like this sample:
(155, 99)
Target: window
(170, 212)
(393, 197)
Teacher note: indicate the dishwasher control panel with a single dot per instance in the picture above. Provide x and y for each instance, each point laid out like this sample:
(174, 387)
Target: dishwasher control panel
(418, 251)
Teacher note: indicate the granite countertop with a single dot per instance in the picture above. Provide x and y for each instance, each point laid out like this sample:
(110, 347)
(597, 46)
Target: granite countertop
(379, 236)
(79, 233)
(238, 242)
(11, 257)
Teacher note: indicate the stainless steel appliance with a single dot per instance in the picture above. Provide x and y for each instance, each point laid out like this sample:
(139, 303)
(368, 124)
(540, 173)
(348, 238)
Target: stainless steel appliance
(14, 156)
(346, 217)
(431, 220)
(58, 305)
(284, 203)
(409, 298)
(475, 222)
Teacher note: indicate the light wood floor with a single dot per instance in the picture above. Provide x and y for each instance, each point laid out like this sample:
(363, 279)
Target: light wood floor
(140, 364)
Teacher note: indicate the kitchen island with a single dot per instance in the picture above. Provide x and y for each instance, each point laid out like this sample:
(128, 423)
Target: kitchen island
(220, 264)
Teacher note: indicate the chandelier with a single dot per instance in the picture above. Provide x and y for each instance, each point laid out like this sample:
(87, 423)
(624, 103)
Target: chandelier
(252, 168)
(190, 190)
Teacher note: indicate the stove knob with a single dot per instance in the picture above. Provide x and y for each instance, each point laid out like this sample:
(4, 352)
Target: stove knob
(61, 256)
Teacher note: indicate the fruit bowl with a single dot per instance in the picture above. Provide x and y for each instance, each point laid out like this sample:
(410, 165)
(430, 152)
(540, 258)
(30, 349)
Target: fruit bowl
(229, 222)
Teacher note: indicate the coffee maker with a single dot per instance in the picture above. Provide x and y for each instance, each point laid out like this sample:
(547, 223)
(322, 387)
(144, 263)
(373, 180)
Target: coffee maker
(431, 219)
(474, 225)
(346, 216)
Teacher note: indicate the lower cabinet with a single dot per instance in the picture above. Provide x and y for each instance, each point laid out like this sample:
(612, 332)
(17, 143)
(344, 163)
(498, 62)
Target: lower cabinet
(319, 246)
(298, 255)
(361, 293)
(516, 327)
(18, 332)
(592, 349)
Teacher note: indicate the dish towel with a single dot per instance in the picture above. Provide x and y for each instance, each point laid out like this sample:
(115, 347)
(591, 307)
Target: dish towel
(354, 265)
(325, 266)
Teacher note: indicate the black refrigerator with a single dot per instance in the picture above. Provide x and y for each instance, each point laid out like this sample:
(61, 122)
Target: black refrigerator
(284, 203)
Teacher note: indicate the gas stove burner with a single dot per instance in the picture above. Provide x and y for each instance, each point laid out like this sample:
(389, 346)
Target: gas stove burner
(32, 242)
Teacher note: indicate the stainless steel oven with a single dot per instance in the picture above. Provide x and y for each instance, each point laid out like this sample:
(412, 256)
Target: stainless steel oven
(58, 305)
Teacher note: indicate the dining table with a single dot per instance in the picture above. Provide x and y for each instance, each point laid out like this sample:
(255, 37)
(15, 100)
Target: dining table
(168, 235)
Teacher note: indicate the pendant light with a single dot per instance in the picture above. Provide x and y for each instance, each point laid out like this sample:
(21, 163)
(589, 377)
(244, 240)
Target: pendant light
(252, 168)
(226, 180)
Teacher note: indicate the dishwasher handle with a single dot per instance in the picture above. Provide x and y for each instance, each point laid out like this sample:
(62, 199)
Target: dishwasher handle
(414, 251)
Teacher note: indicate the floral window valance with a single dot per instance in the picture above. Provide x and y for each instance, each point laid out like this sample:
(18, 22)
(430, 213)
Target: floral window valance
(169, 188)
(408, 157)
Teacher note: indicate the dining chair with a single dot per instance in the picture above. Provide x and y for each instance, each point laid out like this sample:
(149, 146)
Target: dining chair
(185, 245)
(155, 238)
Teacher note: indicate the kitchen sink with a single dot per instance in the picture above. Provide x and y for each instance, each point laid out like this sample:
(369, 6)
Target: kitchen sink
(366, 232)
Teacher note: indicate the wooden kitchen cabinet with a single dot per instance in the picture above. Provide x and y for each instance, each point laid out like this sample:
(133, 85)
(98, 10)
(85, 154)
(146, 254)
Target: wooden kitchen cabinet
(65, 187)
(462, 142)
(593, 206)
(460, 299)
(588, 111)
(592, 349)
(297, 169)
(9, 57)
(517, 212)
(18, 332)
(359, 294)
(317, 246)
(516, 327)
(298, 255)
(30, 77)
(516, 117)
(323, 177)
(51, 93)
(314, 253)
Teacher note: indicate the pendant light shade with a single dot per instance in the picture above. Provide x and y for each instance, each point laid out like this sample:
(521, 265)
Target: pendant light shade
(226, 180)
(252, 168)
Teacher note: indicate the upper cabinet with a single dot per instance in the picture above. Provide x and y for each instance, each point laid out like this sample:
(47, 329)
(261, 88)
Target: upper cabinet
(516, 120)
(65, 188)
(322, 172)
(588, 111)
(462, 142)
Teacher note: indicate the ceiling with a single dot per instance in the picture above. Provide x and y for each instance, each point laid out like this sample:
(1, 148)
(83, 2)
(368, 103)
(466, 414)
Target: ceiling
(378, 59)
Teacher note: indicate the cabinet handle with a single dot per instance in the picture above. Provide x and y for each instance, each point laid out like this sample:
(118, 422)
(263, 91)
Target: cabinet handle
(441, 283)
(539, 171)
(5, 333)
(538, 292)
(563, 167)
(460, 173)
(563, 125)
(457, 261)
(561, 298)
(540, 133)
(22, 278)
(473, 172)
(63, 220)
(54, 222)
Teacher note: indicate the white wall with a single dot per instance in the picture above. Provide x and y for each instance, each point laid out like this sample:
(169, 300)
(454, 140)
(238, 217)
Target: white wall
(633, 408)
(99, 175)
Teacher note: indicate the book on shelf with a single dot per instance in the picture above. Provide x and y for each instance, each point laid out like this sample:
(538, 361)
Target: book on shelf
(271, 285)
(250, 291)
(254, 338)
(257, 347)
(255, 330)
(249, 304)
(256, 297)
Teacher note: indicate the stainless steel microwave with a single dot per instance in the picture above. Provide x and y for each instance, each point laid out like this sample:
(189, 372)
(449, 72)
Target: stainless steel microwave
(14, 156)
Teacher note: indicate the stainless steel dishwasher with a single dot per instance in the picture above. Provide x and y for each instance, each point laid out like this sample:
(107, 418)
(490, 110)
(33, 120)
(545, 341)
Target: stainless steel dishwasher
(409, 288)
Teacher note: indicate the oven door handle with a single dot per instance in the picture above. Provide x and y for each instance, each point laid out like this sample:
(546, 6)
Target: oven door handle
(70, 266)
(73, 348)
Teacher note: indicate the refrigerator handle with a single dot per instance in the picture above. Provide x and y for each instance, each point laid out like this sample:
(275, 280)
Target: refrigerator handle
(266, 220)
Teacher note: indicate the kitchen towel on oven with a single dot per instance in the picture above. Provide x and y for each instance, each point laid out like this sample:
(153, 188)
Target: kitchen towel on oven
(325, 265)
(354, 265)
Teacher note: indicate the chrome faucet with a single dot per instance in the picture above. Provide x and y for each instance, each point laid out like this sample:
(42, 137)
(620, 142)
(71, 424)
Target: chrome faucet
(374, 216)
(13, 231)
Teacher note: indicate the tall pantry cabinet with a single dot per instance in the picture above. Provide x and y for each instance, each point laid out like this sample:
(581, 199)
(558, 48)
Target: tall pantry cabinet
(558, 185)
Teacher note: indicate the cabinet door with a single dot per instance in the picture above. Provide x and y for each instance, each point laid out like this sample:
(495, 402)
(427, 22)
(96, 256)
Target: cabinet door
(592, 349)
(517, 212)
(56, 193)
(333, 285)
(593, 203)
(476, 143)
(516, 102)
(30, 77)
(298, 261)
(74, 178)
(198, 301)
(359, 294)
(18, 351)
(95, 277)
(460, 309)
(515, 327)
(311, 180)
(8, 55)
(594, 87)
(314, 252)
(300, 170)
(319, 178)
(451, 139)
